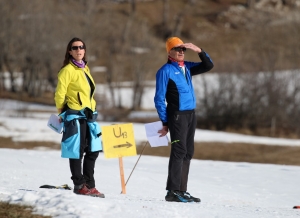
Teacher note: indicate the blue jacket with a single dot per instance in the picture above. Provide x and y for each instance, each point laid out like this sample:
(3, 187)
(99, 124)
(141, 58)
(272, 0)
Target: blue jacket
(70, 144)
(175, 88)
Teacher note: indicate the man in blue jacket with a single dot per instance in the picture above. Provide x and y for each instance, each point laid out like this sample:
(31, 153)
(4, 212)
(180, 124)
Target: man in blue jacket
(174, 87)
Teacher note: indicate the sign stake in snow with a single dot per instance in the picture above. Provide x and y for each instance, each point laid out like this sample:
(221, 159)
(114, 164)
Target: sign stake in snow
(118, 141)
(122, 175)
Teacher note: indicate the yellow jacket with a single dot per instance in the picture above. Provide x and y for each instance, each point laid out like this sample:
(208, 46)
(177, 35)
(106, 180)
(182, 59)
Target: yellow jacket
(73, 88)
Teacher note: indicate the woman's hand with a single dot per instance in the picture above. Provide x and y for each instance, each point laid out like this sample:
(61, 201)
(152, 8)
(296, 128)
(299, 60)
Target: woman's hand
(59, 112)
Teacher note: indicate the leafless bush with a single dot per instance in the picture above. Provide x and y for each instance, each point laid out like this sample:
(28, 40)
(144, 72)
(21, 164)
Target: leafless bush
(265, 103)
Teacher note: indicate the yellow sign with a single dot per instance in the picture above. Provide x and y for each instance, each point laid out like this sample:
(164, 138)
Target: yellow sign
(118, 140)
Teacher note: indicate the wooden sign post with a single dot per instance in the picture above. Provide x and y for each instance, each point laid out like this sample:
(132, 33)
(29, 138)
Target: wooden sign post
(118, 141)
(122, 175)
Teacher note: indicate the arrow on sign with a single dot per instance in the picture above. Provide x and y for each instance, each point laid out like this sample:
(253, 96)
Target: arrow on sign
(123, 145)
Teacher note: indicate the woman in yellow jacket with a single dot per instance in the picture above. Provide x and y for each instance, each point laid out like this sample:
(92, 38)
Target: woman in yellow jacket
(75, 92)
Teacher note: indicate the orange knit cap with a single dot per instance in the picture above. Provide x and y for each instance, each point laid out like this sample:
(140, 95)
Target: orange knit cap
(173, 42)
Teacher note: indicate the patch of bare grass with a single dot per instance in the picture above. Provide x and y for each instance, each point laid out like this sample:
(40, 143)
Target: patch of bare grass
(236, 152)
(17, 211)
(7, 142)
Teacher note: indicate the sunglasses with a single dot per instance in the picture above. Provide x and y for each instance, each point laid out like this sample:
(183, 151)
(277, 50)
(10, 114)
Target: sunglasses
(179, 49)
(77, 47)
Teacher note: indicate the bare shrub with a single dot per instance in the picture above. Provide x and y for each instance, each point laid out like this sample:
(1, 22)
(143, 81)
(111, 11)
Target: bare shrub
(265, 103)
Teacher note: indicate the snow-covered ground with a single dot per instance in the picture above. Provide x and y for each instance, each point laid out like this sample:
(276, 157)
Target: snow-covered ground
(226, 189)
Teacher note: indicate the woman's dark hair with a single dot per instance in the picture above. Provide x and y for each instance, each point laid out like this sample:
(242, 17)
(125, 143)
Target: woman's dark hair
(67, 55)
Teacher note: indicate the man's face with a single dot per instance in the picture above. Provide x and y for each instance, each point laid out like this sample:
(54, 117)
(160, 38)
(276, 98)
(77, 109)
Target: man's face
(177, 53)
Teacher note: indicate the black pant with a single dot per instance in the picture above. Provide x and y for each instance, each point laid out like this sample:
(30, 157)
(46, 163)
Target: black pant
(85, 174)
(182, 131)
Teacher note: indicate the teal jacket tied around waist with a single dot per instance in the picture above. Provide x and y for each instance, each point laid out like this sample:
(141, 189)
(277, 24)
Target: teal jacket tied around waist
(70, 144)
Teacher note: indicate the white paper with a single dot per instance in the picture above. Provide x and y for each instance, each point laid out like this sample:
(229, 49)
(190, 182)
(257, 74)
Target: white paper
(54, 124)
(153, 135)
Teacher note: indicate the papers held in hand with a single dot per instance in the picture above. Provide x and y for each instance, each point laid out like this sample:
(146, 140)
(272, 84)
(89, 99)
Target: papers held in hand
(153, 135)
(54, 123)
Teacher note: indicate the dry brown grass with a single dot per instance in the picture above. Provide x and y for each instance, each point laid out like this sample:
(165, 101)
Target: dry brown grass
(16, 211)
(235, 152)
(7, 142)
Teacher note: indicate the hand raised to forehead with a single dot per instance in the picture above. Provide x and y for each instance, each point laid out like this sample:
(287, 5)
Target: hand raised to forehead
(192, 47)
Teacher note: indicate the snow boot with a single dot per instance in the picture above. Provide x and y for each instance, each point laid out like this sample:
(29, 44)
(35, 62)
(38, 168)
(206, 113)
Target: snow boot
(177, 196)
(188, 195)
(85, 190)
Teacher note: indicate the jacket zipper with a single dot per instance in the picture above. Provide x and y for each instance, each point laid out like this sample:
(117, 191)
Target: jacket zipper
(89, 86)
(78, 96)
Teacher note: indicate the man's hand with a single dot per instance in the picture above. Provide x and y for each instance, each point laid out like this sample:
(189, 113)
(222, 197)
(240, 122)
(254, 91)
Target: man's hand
(163, 131)
(192, 47)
